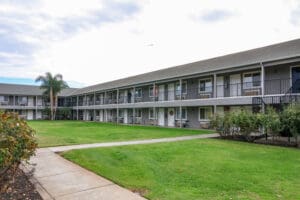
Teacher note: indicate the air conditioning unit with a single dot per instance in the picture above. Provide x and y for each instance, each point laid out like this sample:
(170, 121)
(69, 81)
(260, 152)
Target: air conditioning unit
(204, 95)
(252, 92)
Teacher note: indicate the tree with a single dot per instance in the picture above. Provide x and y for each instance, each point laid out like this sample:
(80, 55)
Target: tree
(52, 86)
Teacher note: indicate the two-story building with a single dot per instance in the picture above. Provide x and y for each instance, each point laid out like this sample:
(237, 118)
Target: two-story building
(185, 95)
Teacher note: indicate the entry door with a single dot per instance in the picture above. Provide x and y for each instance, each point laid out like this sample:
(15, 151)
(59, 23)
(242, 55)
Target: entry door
(161, 116)
(30, 115)
(220, 86)
(125, 116)
(101, 115)
(171, 94)
(296, 79)
(235, 85)
(171, 117)
(161, 95)
(30, 101)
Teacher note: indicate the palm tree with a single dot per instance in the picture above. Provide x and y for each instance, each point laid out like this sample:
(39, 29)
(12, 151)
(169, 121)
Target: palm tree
(52, 86)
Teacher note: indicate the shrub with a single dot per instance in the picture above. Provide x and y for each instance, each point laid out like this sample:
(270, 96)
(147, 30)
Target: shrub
(222, 124)
(244, 123)
(17, 143)
(290, 120)
(270, 121)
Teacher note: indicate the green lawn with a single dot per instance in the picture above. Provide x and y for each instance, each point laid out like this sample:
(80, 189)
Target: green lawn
(198, 169)
(57, 133)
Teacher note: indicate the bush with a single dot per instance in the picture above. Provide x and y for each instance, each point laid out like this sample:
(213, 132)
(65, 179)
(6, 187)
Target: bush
(222, 124)
(245, 123)
(290, 120)
(17, 143)
(270, 121)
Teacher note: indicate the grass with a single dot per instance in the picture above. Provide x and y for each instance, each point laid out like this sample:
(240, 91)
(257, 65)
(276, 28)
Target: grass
(198, 169)
(58, 133)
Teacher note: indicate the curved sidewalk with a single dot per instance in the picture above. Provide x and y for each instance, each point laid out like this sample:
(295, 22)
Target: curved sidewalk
(58, 178)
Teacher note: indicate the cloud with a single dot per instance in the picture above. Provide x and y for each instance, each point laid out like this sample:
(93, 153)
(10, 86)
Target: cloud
(295, 16)
(100, 40)
(32, 26)
(214, 15)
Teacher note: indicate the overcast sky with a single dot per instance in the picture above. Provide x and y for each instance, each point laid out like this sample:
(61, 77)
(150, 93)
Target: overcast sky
(94, 41)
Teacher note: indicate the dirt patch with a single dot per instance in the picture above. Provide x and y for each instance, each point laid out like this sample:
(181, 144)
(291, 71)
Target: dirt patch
(140, 192)
(21, 188)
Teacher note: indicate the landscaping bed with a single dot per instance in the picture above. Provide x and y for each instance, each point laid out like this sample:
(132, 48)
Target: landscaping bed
(21, 188)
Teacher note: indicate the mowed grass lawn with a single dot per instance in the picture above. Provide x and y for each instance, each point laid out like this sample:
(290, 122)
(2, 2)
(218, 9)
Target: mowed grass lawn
(198, 169)
(58, 133)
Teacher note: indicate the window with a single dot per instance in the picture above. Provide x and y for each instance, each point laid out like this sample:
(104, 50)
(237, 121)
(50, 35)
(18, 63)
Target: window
(121, 113)
(151, 91)
(183, 115)
(251, 80)
(138, 93)
(138, 113)
(205, 113)
(151, 113)
(184, 88)
(205, 85)
(3, 98)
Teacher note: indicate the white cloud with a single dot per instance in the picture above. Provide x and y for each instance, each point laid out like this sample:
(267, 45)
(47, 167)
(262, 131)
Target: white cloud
(161, 34)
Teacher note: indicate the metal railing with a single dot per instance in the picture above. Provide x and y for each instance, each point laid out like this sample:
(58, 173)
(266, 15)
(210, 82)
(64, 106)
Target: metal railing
(194, 91)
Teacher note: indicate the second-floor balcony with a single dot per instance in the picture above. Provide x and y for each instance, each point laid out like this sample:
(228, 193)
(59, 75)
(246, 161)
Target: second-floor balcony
(201, 91)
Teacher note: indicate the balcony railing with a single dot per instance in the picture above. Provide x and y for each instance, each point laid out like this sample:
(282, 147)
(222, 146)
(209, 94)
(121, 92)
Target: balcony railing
(254, 88)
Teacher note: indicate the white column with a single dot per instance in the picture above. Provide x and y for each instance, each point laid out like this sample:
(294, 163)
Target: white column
(117, 106)
(77, 103)
(215, 86)
(262, 77)
(94, 106)
(36, 108)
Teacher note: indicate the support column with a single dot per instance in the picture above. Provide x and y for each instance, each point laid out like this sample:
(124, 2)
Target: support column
(215, 85)
(105, 96)
(14, 102)
(94, 106)
(215, 109)
(180, 108)
(36, 108)
(77, 104)
(262, 77)
(133, 95)
(117, 106)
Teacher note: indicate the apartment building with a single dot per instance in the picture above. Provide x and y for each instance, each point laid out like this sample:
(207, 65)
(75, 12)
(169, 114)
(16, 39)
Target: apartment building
(185, 95)
(28, 101)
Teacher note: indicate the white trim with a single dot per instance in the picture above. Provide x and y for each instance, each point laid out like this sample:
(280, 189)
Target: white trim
(137, 89)
(204, 79)
(178, 109)
(154, 117)
(291, 74)
(252, 87)
(205, 108)
(152, 91)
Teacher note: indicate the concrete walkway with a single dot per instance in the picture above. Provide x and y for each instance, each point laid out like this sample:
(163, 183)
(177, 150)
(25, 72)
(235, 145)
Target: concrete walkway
(134, 142)
(58, 178)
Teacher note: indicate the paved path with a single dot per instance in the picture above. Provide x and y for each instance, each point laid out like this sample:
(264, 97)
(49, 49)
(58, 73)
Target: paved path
(147, 141)
(58, 178)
